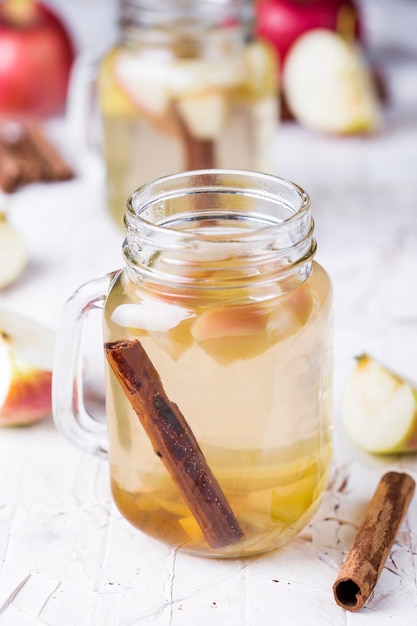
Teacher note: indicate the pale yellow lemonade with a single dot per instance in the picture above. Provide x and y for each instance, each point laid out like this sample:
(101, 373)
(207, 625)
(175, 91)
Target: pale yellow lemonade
(183, 107)
(253, 378)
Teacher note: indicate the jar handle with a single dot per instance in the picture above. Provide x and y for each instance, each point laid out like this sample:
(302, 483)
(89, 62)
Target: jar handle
(70, 414)
(82, 115)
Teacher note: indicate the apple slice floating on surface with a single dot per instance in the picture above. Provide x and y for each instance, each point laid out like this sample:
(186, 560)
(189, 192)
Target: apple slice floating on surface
(13, 256)
(26, 358)
(379, 409)
(329, 86)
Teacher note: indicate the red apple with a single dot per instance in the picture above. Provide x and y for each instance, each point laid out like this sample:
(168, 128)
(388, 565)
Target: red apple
(36, 55)
(281, 22)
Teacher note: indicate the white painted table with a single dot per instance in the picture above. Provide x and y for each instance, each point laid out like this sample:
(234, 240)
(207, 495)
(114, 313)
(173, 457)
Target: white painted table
(67, 558)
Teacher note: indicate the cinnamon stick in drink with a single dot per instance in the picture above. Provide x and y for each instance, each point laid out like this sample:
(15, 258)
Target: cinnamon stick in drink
(174, 442)
(199, 154)
(365, 561)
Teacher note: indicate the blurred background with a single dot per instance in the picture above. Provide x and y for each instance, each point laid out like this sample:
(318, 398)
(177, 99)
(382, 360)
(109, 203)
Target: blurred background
(390, 24)
(390, 27)
(388, 40)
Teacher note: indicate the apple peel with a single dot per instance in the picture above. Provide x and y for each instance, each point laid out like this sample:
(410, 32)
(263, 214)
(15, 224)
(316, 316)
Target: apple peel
(379, 409)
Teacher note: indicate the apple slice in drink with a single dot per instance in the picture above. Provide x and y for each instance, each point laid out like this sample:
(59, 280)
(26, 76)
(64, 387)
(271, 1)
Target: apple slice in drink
(167, 324)
(26, 357)
(379, 409)
(229, 333)
(261, 70)
(205, 114)
(114, 101)
(232, 332)
(146, 87)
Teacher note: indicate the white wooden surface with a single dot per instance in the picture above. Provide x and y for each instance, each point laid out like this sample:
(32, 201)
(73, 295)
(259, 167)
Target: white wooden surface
(67, 558)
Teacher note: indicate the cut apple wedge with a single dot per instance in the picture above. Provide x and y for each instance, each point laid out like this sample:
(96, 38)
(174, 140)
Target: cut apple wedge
(205, 114)
(379, 409)
(26, 357)
(292, 313)
(329, 86)
(262, 69)
(229, 333)
(113, 99)
(167, 324)
(145, 84)
(226, 322)
(13, 255)
(150, 316)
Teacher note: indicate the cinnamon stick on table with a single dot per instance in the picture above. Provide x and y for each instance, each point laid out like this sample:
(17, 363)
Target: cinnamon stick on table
(55, 167)
(174, 442)
(27, 156)
(365, 561)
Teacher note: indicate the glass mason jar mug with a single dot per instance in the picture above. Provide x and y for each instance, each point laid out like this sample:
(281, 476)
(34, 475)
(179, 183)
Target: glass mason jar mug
(218, 364)
(187, 86)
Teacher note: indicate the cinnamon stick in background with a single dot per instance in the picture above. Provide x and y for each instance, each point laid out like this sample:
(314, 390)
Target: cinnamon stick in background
(174, 442)
(11, 174)
(27, 156)
(54, 167)
(22, 152)
(199, 154)
(365, 561)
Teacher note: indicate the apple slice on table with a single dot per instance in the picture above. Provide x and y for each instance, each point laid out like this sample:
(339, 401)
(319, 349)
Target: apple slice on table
(329, 86)
(26, 358)
(379, 409)
(13, 256)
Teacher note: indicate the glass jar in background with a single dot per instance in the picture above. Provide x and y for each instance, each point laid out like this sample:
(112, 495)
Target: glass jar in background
(187, 87)
(218, 337)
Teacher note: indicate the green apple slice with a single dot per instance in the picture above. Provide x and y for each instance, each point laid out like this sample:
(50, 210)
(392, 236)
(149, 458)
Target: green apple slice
(379, 409)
